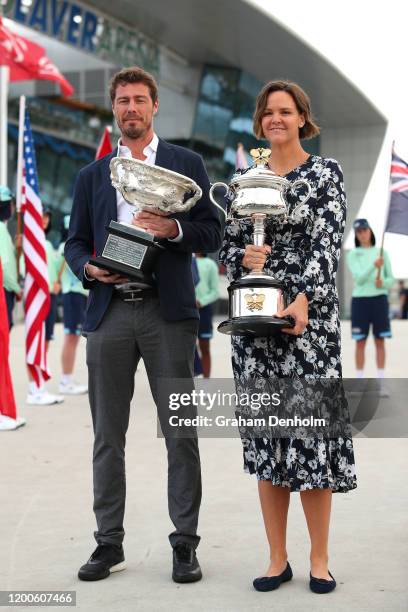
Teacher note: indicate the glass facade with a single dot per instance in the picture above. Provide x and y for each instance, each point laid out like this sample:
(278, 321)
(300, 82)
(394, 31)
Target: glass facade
(225, 106)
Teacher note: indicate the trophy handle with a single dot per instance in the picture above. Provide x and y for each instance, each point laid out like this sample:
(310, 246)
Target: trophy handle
(198, 192)
(213, 186)
(293, 188)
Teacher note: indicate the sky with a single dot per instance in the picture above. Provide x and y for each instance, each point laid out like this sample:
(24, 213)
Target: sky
(368, 43)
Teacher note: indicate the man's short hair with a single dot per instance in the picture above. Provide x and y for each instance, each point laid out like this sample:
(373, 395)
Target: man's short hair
(134, 74)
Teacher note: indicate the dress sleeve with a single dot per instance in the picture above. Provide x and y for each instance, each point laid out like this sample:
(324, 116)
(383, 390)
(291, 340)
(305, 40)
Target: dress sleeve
(232, 250)
(321, 262)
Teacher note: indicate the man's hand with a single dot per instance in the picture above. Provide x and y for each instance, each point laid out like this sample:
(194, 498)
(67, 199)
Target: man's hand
(298, 310)
(255, 256)
(378, 283)
(157, 224)
(379, 262)
(104, 276)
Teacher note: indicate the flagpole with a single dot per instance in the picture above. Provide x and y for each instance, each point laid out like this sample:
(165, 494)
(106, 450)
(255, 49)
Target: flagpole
(19, 187)
(381, 254)
(386, 215)
(4, 81)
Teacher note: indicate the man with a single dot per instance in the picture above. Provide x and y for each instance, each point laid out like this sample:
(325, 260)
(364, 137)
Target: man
(159, 324)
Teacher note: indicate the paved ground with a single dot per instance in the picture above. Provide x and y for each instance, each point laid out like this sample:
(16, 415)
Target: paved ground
(46, 519)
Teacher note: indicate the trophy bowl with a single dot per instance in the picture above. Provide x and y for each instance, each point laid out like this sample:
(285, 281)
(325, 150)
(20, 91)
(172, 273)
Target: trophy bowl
(149, 187)
(130, 250)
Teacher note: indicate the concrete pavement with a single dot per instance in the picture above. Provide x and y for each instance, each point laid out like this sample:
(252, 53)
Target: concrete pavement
(47, 521)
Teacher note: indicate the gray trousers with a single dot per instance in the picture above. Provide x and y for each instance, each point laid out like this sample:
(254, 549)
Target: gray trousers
(130, 331)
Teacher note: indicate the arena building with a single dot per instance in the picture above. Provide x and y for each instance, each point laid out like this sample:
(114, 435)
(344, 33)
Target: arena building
(210, 59)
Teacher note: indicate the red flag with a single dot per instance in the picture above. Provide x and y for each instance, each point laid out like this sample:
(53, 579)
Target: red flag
(105, 145)
(36, 289)
(27, 61)
(7, 403)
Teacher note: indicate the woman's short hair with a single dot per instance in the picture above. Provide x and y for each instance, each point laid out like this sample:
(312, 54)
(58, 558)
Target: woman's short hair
(300, 98)
(133, 75)
(357, 242)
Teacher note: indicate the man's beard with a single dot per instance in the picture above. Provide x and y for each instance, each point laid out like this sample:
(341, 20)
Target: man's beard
(132, 131)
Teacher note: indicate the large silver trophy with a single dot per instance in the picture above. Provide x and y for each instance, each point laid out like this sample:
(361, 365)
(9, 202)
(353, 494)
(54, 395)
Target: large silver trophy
(129, 250)
(255, 298)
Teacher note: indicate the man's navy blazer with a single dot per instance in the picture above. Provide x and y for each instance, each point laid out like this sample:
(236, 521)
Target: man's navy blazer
(94, 206)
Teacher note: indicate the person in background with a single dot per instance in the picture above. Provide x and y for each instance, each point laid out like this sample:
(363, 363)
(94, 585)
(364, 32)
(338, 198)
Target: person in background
(369, 305)
(198, 366)
(403, 299)
(40, 396)
(74, 298)
(207, 292)
(12, 290)
(8, 411)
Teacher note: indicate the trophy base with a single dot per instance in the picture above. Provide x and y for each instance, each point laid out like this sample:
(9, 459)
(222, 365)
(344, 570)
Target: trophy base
(129, 251)
(255, 326)
(141, 278)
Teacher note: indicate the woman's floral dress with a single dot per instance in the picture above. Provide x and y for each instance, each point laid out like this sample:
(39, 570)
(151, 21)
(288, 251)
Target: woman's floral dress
(305, 254)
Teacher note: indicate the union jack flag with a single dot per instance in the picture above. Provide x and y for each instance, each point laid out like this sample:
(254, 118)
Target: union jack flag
(399, 175)
(36, 288)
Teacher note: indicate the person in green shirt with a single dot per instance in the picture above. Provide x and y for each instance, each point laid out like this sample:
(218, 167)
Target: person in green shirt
(207, 291)
(12, 290)
(373, 278)
(53, 282)
(74, 299)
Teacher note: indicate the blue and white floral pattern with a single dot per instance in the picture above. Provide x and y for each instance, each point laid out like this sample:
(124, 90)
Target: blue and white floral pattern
(304, 255)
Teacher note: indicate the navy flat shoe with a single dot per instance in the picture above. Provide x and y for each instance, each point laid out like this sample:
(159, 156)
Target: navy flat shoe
(270, 583)
(321, 586)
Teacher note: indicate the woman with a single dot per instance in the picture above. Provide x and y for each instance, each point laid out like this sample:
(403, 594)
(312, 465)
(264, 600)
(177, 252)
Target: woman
(304, 254)
(373, 278)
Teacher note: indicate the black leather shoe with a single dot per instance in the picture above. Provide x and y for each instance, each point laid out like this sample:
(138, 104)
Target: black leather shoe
(185, 564)
(321, 585)
(105, 559)
(270, 583)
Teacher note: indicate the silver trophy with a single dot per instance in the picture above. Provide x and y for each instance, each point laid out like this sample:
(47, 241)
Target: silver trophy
(129, 250)
(256, 297)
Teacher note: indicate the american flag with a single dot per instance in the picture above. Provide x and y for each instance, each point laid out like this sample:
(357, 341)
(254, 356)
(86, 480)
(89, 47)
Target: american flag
(397, 221)
(36, 289)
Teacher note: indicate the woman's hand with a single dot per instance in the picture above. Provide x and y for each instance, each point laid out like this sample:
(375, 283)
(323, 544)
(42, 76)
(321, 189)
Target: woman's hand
(379, 262)
(298, 310)
(255, 257)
